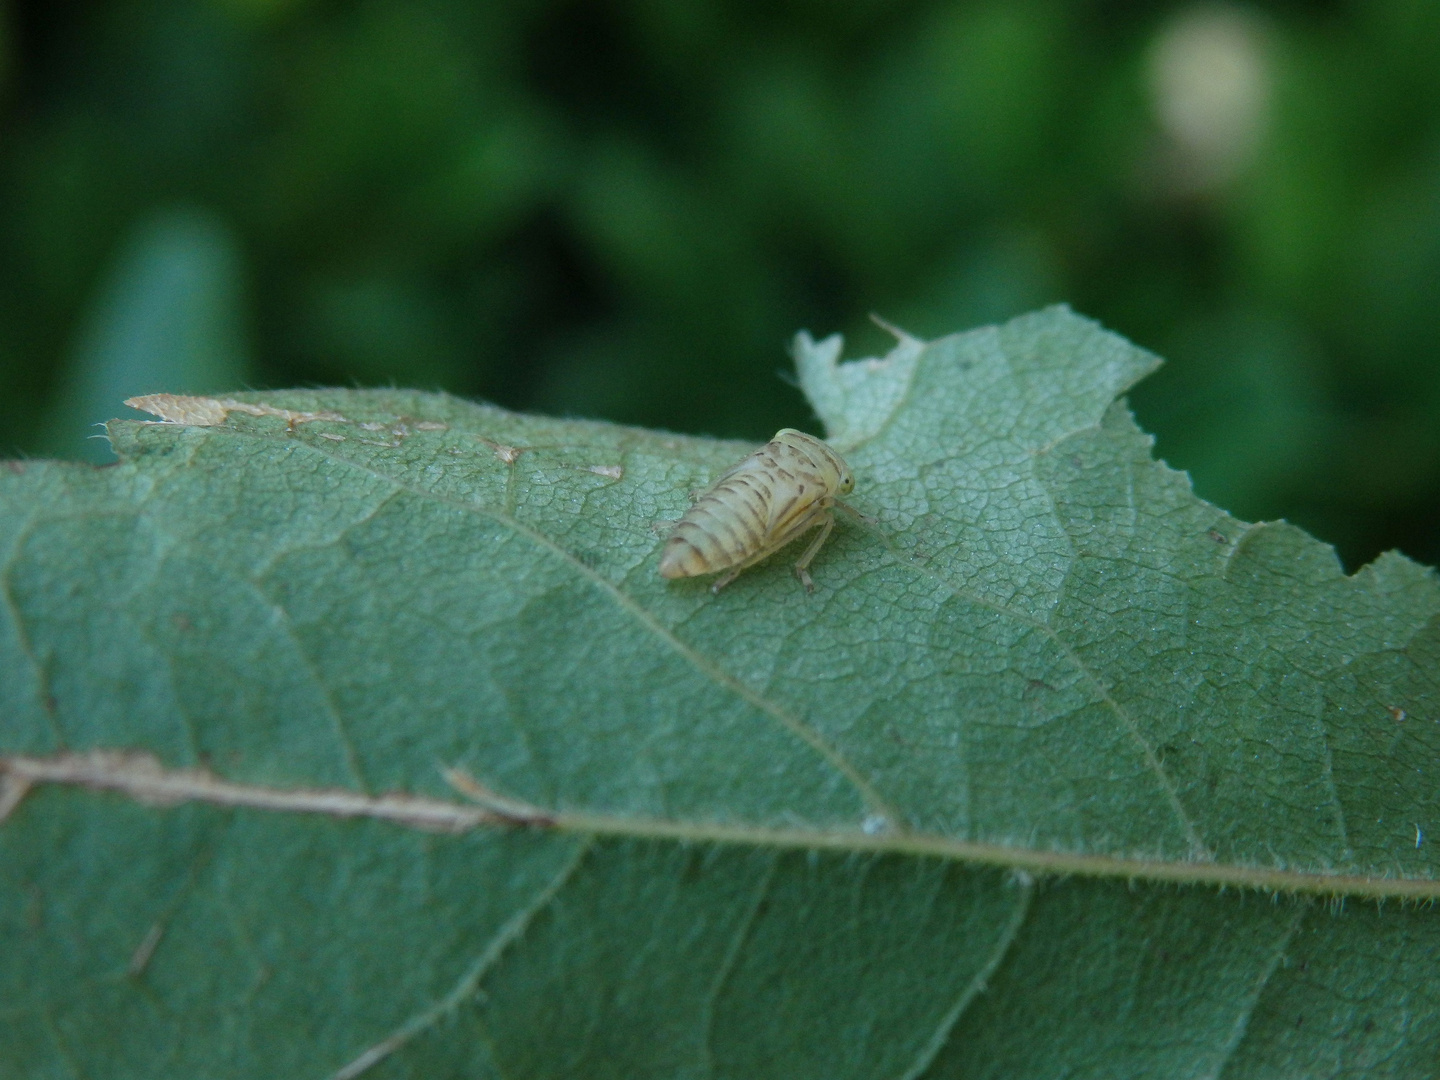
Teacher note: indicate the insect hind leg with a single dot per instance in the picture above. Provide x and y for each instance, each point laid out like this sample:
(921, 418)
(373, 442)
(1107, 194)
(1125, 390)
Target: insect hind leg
(725, 578)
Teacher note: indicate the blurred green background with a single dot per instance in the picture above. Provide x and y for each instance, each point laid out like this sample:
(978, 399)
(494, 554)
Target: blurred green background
(625, 209)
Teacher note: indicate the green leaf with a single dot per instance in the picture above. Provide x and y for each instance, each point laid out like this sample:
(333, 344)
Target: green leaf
(354, 732)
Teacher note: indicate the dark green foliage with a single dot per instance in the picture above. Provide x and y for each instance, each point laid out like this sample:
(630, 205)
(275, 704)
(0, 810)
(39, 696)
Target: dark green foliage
(622, 208)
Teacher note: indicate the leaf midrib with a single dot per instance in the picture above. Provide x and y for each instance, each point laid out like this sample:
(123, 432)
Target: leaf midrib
(173, 787)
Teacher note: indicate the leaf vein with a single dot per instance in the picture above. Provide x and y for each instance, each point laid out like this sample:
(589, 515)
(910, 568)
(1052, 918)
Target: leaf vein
(1152, 761)
(1247, 1007)
(729, 960)
(348, 750)
(22, 633)
(469, 983)
(972, 990)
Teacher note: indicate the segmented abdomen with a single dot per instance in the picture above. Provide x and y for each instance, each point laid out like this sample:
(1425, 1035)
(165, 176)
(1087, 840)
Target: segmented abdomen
(729, 524)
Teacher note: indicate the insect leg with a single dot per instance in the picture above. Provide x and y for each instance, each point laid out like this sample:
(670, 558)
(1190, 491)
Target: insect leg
(725, 578)
(801, 571)
(866, 518)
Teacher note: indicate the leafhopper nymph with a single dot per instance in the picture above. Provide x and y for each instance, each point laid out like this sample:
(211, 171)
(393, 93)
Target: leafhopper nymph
(774, 496)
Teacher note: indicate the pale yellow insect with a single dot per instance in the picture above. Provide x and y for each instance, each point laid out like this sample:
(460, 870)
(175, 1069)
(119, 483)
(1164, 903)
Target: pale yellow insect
(774, 496)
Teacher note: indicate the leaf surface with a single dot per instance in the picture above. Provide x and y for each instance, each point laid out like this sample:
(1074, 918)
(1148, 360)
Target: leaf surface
(354, 733)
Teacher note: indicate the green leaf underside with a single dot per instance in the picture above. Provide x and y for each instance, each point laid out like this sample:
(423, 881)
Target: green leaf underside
(1047, 646)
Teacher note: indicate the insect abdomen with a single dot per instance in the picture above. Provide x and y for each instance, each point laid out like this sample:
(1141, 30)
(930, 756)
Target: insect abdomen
(724, 528)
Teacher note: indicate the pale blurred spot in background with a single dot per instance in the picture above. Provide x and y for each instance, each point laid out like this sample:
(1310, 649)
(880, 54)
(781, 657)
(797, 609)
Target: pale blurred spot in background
(1209, 82)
